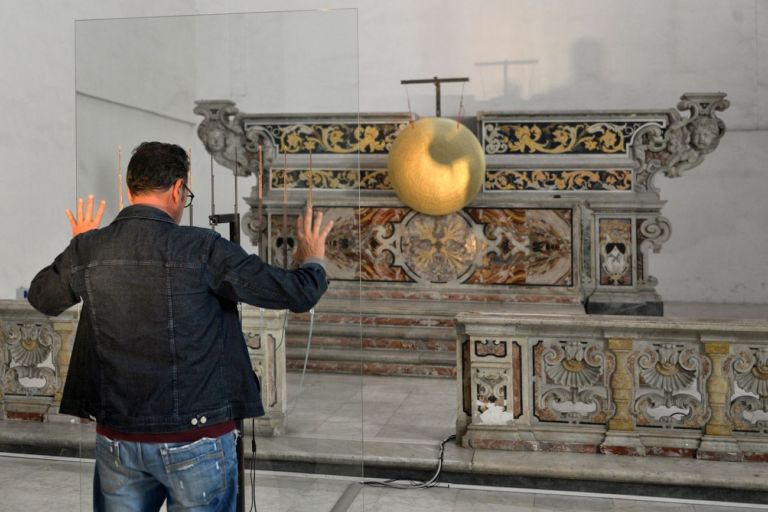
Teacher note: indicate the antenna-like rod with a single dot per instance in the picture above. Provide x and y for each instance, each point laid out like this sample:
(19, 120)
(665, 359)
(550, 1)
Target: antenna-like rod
(213, 204)
(189, 179)
(260, 184)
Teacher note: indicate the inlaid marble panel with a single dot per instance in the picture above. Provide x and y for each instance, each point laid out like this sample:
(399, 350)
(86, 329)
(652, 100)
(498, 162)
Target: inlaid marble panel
(335, 138)
(565, 137)
(496, 246)
(330, 179)
(591, 180)
(616, 252)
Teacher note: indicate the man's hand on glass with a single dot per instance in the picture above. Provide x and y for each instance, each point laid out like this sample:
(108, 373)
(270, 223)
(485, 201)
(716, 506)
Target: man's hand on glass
(311, 239)
(87, 222)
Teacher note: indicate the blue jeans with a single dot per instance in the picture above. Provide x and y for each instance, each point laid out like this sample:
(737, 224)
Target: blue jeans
(199, 476)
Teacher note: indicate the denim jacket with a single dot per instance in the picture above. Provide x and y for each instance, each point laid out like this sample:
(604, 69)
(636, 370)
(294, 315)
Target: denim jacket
(159, 346)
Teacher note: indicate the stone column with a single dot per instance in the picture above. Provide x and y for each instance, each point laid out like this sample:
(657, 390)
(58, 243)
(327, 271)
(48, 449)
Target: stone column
(717, 442)
(621, 438)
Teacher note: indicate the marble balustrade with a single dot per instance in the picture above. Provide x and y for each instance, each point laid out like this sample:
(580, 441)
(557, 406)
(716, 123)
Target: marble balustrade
(35, 352)
(613, 384)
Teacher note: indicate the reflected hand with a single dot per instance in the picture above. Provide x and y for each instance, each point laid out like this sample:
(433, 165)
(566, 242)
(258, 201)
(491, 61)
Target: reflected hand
(87, 222)
(311, 240)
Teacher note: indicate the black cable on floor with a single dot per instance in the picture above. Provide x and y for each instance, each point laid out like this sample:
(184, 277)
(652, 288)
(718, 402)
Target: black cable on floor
(402, 483)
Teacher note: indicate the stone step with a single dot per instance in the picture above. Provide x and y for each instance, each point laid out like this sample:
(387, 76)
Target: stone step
(377, 343)
(299, 339)
(394, 331)
(372, 362)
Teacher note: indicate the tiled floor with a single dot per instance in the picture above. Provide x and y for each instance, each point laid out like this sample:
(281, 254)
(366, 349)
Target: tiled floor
(396, 422)
(34, 484)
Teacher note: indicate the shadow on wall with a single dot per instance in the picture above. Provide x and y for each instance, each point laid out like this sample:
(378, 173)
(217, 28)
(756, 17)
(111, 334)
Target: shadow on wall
(518, 82)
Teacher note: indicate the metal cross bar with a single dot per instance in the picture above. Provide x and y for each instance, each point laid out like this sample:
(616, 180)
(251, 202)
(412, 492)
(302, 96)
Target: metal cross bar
(437, 81)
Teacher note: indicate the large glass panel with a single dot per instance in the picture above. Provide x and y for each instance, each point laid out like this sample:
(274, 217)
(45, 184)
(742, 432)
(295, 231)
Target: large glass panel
(254, 95)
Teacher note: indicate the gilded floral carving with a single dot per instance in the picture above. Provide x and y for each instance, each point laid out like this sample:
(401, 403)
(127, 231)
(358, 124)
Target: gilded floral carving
(558, 180)
(331, 179)
(556, 138)
(338, 138)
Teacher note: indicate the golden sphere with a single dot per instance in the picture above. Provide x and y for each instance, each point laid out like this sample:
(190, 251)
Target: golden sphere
(436, 166)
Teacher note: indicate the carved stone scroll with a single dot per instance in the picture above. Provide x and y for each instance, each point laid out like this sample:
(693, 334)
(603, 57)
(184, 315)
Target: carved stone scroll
(749, 384)
(684, 144)
(571, 382)
(669, 385)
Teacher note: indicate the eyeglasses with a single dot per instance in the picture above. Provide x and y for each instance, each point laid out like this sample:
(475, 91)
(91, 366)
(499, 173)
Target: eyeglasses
(190, 195)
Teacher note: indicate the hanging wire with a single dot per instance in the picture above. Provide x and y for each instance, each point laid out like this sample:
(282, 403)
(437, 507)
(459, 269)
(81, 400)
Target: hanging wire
(309, 345)
(252, 472)
(408, 99)
(461, 105)
(285, 210)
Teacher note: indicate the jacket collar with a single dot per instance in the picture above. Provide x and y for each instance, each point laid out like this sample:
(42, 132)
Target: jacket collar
(142, 211)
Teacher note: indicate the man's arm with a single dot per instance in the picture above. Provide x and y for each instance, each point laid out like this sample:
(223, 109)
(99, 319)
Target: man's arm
(239, 277)
(51, 291)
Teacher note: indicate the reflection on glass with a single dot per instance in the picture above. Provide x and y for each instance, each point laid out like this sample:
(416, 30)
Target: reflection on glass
(228, 88)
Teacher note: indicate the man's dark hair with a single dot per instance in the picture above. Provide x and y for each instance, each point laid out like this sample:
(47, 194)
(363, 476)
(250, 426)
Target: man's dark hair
(156, 166)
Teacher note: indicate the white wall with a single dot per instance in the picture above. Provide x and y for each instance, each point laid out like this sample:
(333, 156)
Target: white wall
(561, 54)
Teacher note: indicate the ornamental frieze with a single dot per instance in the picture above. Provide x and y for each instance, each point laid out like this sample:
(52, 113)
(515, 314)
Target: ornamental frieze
(557, 138)
(335, 138)
(603, 180)
(330, 179)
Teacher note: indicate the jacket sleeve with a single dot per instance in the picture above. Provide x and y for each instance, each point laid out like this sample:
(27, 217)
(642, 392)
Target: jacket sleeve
(238, 276)
(51, 290)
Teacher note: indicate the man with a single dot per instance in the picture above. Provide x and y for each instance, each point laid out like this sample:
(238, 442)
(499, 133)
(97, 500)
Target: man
(159, 359)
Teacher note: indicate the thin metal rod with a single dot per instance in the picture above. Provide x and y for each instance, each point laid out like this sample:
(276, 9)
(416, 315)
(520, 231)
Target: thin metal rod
(213, 205)
(120, 178)
(311, 179)
(236, 176)
(285, 210)
(260, 184)
(433, 80)
(408, 99)
(189, 179)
